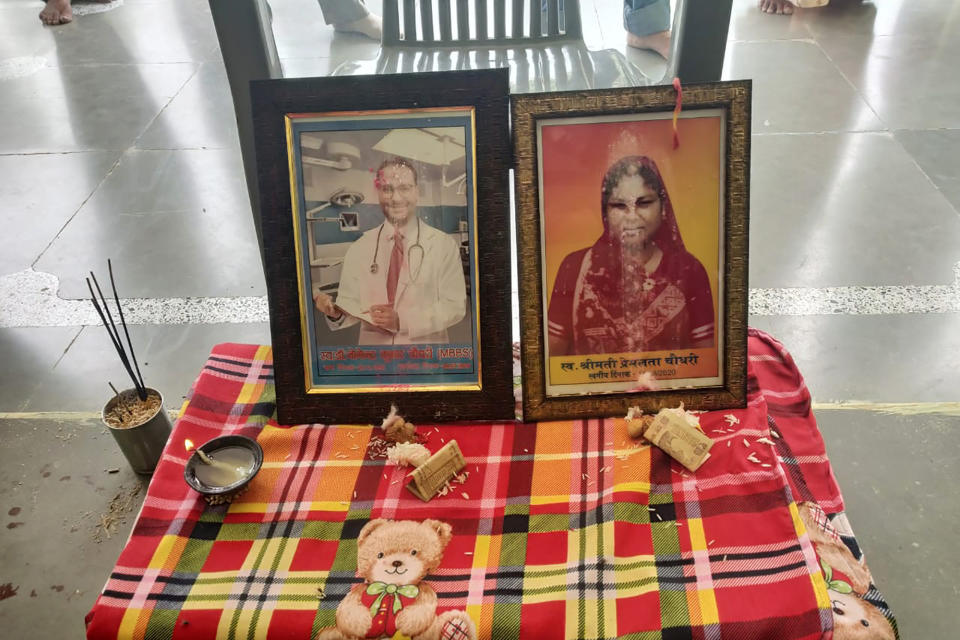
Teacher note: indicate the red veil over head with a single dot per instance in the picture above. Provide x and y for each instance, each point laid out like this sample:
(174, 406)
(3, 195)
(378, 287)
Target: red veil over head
(618, 308)
(667, 236)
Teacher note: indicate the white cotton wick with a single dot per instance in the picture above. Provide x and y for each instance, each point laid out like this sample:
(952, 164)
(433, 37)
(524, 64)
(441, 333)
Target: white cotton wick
(408, 454)
(390, 417)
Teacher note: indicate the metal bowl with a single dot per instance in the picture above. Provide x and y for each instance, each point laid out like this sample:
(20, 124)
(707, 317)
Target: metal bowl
(210, 448)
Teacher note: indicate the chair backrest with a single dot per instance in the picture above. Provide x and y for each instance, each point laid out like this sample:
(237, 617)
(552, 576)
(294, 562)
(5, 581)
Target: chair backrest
(451, 23)
(249, 51)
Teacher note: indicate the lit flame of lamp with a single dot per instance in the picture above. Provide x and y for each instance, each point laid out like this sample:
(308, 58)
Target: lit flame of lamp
(188, 444)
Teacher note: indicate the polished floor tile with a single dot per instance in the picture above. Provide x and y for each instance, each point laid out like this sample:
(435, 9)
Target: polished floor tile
(796, 88)
(317, 67)
(898, 474)
(22, 34)
(938, 154)
(39, 194)
(885, 17)
(28, 355)
(747, 22)
(846, 209)
(877, 358)
(199, 117)
(115, 37)
(57, 493)
(170, 358)
(910, 80)
(175, 224)
(86, 107)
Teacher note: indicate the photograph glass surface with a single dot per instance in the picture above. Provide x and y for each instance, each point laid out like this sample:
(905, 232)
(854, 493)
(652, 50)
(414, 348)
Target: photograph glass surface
(385, 228)
(632, 251)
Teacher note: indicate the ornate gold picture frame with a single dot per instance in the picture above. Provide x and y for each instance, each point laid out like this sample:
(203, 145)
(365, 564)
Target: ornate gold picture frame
(632, 236)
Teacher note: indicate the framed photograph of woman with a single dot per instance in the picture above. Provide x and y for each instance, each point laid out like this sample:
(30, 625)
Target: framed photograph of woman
(381, 225)
(632, 239)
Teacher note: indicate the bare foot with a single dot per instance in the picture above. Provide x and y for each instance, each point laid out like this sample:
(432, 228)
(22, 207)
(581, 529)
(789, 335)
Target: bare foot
(781, 7)
(370, 25)
(56, 12)
(658, 42)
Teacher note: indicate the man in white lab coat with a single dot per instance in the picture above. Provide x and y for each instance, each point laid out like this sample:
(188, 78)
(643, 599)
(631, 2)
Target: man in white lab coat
(402, 280)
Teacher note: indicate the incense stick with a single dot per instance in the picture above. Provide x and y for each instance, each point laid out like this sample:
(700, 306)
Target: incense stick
(114, 339)
(123, 322)
(107, 318)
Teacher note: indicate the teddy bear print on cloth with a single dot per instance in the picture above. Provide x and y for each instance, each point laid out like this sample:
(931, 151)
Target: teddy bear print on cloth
(848, 580)
(393, 557)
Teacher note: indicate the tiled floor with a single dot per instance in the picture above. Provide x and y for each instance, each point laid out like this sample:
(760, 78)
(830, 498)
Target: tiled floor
(117, 140)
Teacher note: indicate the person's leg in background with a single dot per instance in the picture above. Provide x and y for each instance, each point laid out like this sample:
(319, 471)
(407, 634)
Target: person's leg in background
(351, 16)
(786, 7)
(648, 24)
(60, 11)
(783, 7)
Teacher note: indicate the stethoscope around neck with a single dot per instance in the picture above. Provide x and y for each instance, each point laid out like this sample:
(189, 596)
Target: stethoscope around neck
(374, 267)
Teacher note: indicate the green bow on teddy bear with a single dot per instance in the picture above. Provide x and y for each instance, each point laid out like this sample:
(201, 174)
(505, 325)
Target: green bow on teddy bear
(382, 589)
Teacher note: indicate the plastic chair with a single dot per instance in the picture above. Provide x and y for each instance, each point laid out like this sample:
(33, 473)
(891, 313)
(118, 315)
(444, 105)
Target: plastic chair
(540, 41)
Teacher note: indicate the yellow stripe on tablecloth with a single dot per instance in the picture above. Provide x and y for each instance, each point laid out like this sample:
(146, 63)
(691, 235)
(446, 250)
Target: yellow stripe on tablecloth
(251, 391)
(554, 499)
(698, 539)
(168, 552)
(634, 485)
(578, 455)
(270, 554)
(572, 617)
(637, 580)
(706, 598)
(244, 620)
(709, 612)
(591, 627)
(820, 589)
(261, 507)
(263, 624)
(128, 624)
(597, 542)
(482, 614)
(481, 552)
(610, 617)
(286, 605)
(816, 577)
(545, 588)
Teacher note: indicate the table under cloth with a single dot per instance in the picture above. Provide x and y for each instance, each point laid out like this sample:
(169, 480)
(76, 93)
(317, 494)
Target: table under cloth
(561, 530)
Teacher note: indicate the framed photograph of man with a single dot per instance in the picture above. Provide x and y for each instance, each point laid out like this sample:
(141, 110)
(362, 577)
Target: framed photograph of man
(386, 199)
(632, 234)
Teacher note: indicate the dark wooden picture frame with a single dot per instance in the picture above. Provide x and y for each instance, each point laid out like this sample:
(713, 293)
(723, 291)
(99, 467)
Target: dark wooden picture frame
(483, 96)
(549, 390)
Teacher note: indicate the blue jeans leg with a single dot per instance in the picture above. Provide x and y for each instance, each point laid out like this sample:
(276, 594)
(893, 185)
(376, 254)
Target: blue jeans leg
(645, 17)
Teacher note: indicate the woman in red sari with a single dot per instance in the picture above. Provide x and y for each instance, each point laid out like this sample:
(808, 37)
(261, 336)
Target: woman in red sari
(637, 289)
